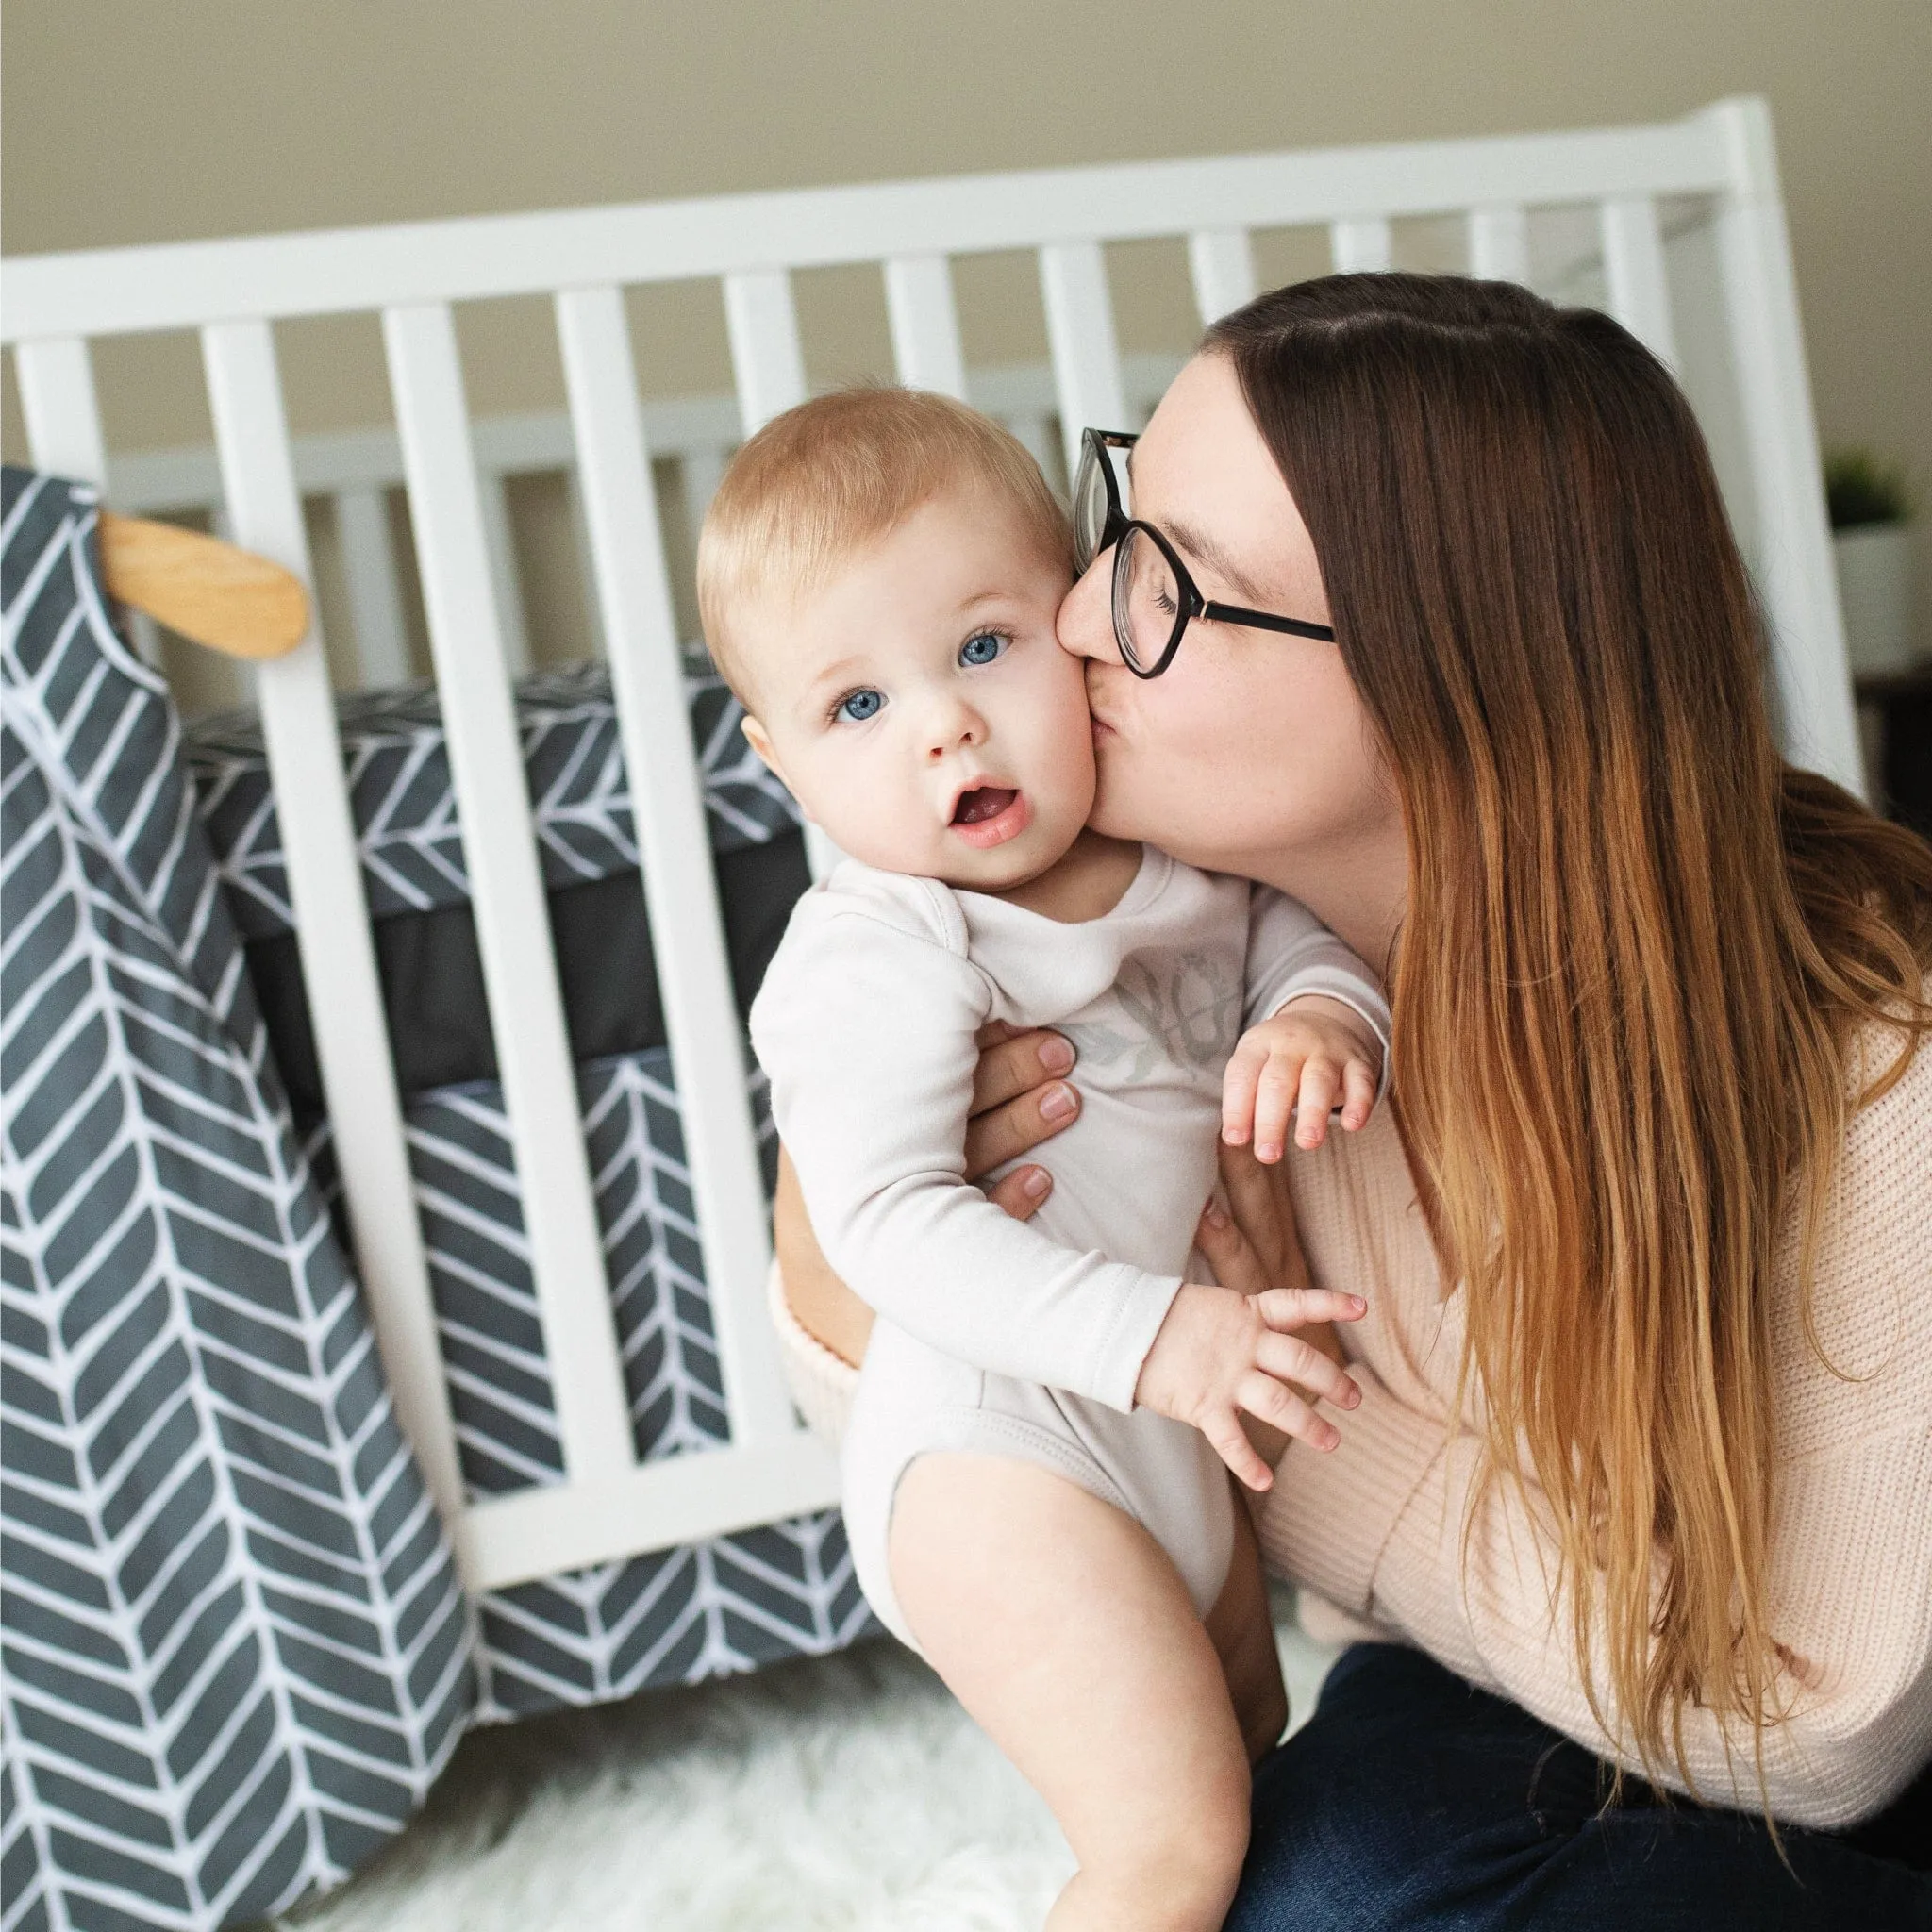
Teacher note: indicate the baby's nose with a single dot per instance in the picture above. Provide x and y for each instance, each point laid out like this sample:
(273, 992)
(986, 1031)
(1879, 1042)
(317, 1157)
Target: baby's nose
(955, 726)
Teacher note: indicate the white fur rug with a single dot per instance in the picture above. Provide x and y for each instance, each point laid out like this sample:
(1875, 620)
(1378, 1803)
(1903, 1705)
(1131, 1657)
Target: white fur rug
(848, 1793)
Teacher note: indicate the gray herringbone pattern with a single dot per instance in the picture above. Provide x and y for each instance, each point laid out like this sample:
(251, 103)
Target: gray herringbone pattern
(234, 1650)
(675, 1617)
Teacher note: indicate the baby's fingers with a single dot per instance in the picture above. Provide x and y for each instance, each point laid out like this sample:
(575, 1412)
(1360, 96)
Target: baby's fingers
(1262, 1396)
(1231, 1443)
(1237, 1086)
(1274, 1103)
(1320, 1088)
(1358, 1084)
(1286, 1309)
(1288, 1358)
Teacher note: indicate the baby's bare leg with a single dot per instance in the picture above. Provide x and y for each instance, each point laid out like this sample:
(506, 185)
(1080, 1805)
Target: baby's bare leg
(1241, 1630)
(1064, 1629)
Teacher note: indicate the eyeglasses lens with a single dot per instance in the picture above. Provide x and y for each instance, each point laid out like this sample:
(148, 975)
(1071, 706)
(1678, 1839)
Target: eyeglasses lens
(1146, 600)
(1089, 506)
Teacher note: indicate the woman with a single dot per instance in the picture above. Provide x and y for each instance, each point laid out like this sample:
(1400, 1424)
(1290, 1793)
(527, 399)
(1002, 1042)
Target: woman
(1639, 1496)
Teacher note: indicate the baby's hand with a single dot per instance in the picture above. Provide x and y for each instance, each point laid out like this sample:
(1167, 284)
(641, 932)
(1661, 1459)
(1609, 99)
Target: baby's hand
(1312, 1054)
(1219, 1351)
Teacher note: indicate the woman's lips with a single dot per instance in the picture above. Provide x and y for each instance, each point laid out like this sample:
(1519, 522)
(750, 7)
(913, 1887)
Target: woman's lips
(991, 815)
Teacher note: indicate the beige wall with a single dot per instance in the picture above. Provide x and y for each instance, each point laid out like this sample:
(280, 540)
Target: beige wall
(127, 121)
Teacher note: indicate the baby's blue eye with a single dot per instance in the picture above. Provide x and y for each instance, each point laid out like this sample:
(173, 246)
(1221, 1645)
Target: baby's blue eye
(857, 705)
(983, 648)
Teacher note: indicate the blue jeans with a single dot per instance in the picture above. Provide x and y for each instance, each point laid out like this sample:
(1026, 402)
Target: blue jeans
(1411, 1799)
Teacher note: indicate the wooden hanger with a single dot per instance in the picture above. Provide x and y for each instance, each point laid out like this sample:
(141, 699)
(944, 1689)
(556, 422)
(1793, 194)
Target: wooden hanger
(210, 591)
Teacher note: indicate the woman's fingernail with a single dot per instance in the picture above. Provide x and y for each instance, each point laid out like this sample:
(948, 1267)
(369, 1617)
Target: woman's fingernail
(1057, 1055)
(1057, 1103)
(1216, 1215)
(1357, 1302)
(1037, 1183)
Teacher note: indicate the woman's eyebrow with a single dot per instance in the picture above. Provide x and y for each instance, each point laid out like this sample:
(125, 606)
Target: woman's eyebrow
(1210, 553)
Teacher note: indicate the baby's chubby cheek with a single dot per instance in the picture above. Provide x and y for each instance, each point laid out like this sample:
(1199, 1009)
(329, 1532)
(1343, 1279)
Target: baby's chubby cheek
(895, 827)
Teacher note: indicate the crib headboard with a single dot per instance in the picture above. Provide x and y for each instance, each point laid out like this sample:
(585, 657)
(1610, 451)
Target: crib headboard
(233, 292)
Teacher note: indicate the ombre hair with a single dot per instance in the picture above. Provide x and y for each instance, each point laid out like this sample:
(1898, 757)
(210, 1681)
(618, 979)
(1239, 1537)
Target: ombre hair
(822, 481)
(1641, 957)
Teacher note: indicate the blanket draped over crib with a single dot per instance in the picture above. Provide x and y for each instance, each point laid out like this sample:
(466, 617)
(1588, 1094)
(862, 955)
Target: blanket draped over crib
(235, 1649)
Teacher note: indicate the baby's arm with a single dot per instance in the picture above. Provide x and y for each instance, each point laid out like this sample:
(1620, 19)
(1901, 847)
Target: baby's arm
(866, 1027)
(1318, 1033)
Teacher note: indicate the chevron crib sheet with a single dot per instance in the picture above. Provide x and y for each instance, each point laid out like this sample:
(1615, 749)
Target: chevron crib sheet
(235, 1652)
(724, 1605)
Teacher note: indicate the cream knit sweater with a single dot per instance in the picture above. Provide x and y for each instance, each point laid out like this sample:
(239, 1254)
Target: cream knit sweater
(1377, 1527)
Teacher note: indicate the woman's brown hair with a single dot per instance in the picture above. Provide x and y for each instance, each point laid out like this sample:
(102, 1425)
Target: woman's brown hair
(1641, 952)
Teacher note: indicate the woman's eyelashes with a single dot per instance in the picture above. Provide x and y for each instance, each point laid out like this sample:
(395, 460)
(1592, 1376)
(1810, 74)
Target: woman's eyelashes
(858, 707)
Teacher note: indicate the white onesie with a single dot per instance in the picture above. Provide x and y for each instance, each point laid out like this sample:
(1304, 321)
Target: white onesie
(1025, 1339)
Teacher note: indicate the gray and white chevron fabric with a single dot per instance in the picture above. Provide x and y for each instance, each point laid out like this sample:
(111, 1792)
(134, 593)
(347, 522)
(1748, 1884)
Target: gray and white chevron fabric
(676, 1616)
(234, 1649)
(404, 803)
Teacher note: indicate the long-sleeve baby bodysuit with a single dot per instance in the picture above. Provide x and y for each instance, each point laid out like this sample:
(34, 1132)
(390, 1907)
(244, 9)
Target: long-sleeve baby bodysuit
(1025, 1336)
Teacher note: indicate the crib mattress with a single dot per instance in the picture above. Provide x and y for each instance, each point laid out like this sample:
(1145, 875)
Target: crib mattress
(678, 1615)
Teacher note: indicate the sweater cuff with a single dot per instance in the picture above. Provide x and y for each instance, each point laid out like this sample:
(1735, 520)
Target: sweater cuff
(1328, 1518)
(822, 1383)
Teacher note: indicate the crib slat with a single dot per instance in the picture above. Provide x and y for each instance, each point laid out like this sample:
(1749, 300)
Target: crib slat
(375, 601)
(1634, 267)
(925, 323)
(1081, 338)
(332, 932)
(63, 420)
(1792, 552)
(63, 433)
(763, 322)
(1222, 262)
(686, 932)
(1499, 243)
(534, 1533)
(507, 889)
(1361, 243)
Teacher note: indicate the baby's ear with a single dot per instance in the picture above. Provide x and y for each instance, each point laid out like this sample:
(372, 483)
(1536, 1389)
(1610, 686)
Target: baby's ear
(757, 737)
(754, 737)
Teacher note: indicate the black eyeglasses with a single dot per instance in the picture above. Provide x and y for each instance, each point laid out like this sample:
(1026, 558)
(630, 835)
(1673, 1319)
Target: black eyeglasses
(1154, 597)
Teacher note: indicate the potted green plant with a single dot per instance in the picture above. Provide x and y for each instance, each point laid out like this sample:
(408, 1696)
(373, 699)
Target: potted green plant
(1871, 532)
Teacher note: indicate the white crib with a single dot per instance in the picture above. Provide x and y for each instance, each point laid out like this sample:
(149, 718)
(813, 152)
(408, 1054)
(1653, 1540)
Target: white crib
(1649, 199)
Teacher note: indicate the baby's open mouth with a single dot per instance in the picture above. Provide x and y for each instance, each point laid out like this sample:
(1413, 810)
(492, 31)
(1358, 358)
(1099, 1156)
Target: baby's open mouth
(985, 802)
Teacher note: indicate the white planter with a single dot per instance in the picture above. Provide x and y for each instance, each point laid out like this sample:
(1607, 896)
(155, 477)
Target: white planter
(1874, 587)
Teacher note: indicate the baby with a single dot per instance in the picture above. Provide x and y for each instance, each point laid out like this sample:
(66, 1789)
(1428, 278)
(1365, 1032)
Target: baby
(1033, 1472)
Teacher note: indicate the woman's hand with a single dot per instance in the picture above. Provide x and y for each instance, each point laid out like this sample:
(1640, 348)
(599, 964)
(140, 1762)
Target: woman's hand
(1020, 1099)
(1220, 1354)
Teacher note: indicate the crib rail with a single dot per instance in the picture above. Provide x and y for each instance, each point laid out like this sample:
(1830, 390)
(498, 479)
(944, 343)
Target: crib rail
(353, 471)
(232, 291)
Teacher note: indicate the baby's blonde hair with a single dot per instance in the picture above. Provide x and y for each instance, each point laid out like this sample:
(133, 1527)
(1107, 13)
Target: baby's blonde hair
(824, 480)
